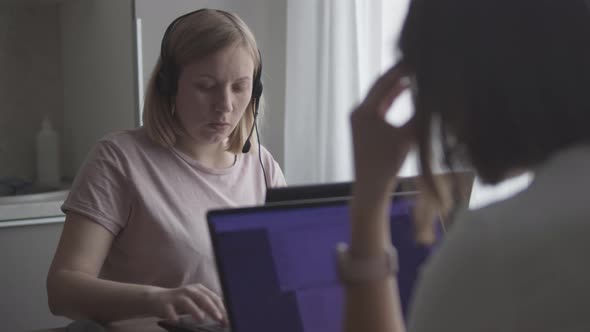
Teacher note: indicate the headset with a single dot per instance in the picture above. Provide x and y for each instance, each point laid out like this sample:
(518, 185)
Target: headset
(168, 74)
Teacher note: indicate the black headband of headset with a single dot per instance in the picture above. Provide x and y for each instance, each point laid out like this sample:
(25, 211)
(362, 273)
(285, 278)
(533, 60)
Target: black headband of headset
(167, 78)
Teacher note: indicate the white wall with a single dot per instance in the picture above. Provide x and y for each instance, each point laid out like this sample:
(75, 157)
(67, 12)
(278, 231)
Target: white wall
(98, 57)
(266, 18)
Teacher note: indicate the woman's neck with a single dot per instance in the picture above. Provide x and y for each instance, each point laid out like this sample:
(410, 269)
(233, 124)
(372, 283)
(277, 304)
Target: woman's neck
(210, 155)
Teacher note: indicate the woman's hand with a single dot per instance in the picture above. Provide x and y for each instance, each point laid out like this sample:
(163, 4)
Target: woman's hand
(195, 300)
(380, 148)
(379, 151)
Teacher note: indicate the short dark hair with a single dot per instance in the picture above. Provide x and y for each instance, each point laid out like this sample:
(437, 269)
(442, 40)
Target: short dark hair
(507, 80)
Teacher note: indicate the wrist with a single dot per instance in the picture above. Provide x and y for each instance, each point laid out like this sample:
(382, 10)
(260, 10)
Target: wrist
(370, 201)
(148, 298)
(371, 187)
(355, 269)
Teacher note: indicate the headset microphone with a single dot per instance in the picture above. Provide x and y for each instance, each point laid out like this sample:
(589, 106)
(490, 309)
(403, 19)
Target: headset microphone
(248, 145)
(256, 94)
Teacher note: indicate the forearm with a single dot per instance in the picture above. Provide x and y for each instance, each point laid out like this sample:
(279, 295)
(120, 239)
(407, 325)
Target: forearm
(77, 295)
(372, 306)
(369, 219)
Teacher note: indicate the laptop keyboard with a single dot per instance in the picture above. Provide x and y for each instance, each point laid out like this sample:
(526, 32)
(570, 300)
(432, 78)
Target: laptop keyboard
(214, 328)
(186, 324)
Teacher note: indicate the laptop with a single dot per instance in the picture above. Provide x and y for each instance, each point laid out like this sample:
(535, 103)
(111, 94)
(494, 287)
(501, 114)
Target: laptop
(461, 182)
(308, 192)
(277, 267)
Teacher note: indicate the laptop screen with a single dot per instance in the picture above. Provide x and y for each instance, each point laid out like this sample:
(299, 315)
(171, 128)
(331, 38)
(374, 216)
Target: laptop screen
(342, 190)
(277, 263)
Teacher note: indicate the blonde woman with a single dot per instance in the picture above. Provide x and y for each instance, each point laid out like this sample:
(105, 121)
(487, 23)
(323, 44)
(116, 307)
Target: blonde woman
(135, 239)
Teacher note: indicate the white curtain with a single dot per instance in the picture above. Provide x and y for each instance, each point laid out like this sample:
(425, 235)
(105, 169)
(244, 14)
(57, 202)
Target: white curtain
(335, 50)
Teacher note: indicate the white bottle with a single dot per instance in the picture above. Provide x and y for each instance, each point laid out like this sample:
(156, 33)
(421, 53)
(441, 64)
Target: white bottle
(48, 174)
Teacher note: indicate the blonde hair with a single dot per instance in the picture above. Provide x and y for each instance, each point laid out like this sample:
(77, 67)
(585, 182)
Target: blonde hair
(195, 36)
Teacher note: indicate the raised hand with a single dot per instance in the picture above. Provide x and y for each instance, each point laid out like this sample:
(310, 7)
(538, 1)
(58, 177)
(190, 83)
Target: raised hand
(380, 148)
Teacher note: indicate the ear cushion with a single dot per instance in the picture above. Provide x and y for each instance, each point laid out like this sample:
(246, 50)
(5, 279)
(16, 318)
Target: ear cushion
(167, 80)
(257, 84)
(257, 89)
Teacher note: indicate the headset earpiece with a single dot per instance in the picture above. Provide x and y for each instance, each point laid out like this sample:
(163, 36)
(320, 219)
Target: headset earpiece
(257, 86)
(167, 80)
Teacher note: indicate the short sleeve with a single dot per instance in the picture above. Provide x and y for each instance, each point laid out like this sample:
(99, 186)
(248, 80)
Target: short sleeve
(274, 174)
(459, 288)
(277, 178)
(100, 190)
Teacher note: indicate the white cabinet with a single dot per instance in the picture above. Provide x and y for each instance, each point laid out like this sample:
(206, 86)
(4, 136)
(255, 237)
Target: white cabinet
(26, 250)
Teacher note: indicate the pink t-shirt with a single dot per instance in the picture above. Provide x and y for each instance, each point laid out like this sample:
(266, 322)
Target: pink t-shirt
(154, 201)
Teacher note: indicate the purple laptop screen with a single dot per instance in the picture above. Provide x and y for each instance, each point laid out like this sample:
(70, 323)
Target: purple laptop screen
(278, 269)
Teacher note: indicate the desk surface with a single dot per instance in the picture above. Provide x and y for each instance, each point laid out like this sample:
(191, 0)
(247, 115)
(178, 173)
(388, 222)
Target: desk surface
(133, 325)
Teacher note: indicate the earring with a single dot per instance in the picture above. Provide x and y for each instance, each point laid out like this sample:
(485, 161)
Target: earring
(173, 110)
